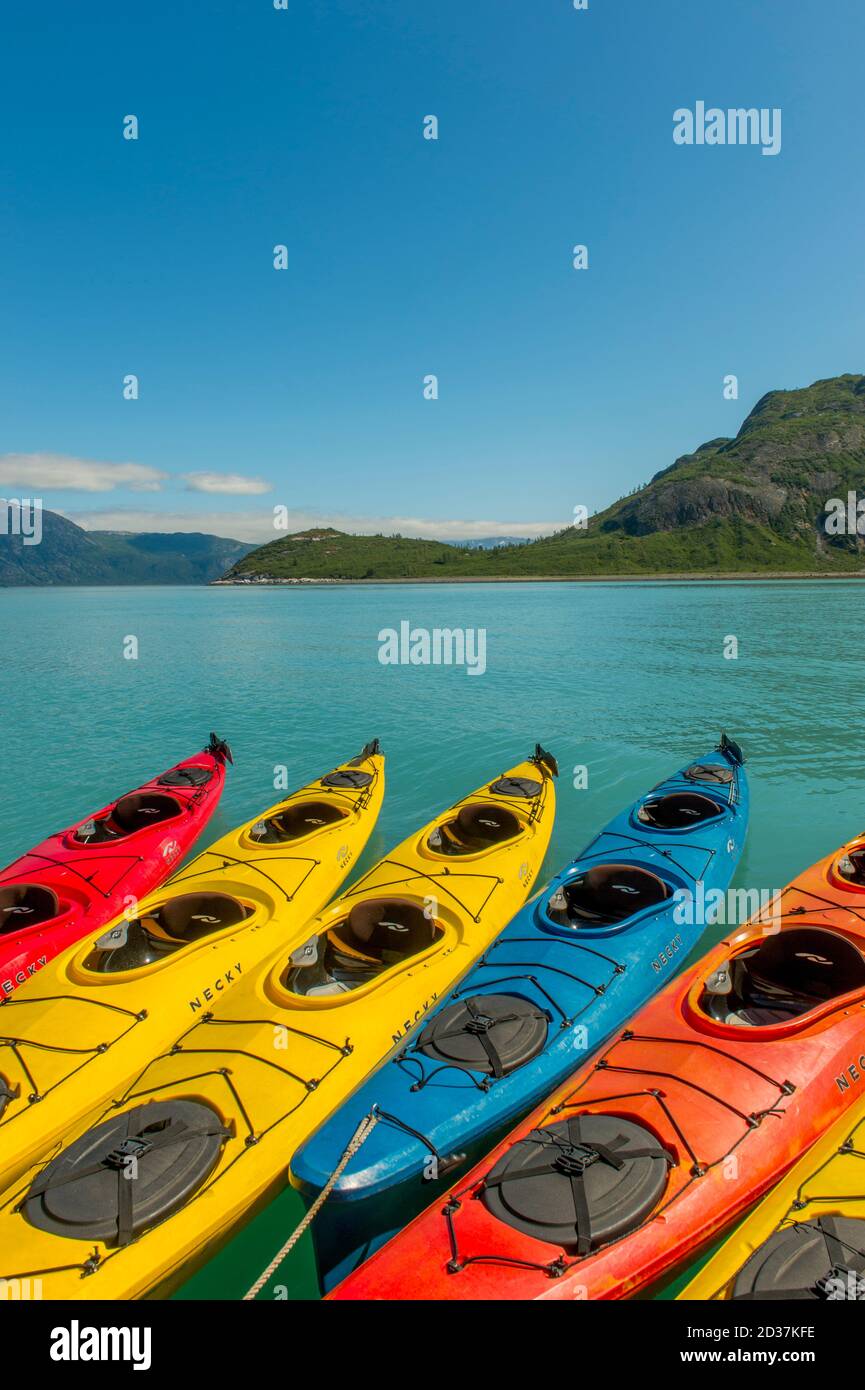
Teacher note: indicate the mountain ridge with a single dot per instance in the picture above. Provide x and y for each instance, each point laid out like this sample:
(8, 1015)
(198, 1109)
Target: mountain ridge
(69, 555)
(751, 503)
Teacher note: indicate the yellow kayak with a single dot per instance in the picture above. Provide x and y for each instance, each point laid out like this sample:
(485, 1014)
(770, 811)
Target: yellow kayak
(806, 1240)
(208, 1128)
(72, 1037)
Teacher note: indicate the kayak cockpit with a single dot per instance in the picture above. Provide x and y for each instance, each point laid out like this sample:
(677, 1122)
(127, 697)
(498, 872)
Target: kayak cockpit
(474, 829)
(158, 934)
(678, 811)
(138, 811)
(24, 905)
(297, 821)
(851, 867)
(377, 935)
(783, 977)
(605, 896)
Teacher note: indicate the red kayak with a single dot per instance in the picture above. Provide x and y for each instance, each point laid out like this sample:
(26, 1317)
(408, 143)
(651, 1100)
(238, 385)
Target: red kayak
(80, 879)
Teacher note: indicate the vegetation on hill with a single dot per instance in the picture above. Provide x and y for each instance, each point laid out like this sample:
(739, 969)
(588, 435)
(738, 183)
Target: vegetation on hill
(753, 503)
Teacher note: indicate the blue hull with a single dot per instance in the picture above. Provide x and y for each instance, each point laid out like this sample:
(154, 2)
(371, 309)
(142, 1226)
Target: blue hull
(581, 983)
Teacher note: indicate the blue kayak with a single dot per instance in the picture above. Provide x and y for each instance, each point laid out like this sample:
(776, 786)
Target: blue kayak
(568, 971)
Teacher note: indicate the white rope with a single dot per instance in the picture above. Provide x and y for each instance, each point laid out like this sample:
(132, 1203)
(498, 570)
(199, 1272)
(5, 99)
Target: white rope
(357, 1140)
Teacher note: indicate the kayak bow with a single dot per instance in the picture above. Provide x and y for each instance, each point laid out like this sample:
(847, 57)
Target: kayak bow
(76, 881)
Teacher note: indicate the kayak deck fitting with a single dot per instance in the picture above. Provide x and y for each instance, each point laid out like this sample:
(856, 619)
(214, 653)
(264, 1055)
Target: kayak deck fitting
(567, 971)
(212, 1122)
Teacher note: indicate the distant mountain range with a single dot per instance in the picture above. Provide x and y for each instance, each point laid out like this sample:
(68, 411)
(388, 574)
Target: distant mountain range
(757, 503)
(67, 554)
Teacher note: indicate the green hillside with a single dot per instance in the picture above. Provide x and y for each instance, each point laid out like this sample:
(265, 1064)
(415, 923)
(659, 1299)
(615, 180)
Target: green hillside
(754, 503)
(328, 554)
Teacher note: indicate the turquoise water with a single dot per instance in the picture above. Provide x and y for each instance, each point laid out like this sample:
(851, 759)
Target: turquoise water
(629, 680)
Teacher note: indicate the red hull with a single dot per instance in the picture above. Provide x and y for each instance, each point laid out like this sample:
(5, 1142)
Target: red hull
(731, 1107)
(95, 879)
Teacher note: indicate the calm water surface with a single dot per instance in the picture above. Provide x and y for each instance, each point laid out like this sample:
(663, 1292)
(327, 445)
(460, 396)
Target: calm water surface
(627, 679)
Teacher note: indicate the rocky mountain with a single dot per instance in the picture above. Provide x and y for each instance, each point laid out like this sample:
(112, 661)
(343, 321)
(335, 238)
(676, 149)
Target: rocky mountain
(761, 502)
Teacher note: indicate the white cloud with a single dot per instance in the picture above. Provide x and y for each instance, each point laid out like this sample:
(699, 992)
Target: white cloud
(42, 472)
(233, 483)
(257, 526)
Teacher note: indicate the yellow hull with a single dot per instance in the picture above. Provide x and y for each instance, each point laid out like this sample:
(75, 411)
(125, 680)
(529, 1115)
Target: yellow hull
(71, 1038)
(829, 1182)
(271, 1063)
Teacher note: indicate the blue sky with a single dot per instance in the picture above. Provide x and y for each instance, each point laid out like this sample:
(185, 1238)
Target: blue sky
(407, 256)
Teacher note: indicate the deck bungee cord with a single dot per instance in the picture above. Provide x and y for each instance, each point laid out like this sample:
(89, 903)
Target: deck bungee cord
(806, 1240)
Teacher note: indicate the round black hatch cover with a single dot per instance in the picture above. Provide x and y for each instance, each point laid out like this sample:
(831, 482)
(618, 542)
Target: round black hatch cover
(127, 1174)
(186, 777)
(347, 777)
(490, 1033)
(579, 1184)
(709, 772)
(822, 1259)
(525, 787)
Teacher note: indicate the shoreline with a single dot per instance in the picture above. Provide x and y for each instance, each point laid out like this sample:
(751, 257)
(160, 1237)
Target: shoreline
(691, 577)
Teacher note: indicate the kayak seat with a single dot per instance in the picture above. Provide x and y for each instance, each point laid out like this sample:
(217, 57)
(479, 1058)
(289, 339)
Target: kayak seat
(134, 812)
(678, 810)
(25, 905)
(194, 915)
(606, 895)
(474, 829)
(138, 811)
(176, 923)
(851, 866)
(787, 975)
(376, 935)
(296, 821)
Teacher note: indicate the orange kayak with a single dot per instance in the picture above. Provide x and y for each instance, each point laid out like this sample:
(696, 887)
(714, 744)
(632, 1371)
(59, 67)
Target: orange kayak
(650, 1150)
